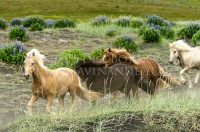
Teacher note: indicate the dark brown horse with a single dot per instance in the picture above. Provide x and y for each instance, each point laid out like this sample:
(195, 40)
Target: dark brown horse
(150, 70)
(118, 77)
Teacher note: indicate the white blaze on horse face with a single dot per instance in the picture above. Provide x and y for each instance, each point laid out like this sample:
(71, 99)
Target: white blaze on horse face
(173, 55)
(103, 58)
(28, 67)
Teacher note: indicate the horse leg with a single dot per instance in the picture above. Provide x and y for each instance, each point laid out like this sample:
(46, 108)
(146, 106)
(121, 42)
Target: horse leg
(189, 80)
(116, 96)
(197, 77)
(30, 103)
(61, 100)
(73, 94)
(135, 93)
(49, 103)
(183, 80)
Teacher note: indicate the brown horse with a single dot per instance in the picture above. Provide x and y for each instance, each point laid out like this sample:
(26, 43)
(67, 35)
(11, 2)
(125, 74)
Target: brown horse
(50, 83)
(118, 77)
(151, 71)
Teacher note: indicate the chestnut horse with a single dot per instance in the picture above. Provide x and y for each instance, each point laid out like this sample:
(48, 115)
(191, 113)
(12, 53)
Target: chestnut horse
(50, 83)
(150, 70)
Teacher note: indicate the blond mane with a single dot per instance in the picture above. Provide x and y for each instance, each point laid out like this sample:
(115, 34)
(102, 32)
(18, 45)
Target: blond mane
(40, 58)
(180, 45)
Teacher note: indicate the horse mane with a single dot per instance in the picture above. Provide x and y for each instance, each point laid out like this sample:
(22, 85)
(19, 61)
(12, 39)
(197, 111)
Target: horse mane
(180, 45)
(37, 56)
(123, 55)
(88, 63)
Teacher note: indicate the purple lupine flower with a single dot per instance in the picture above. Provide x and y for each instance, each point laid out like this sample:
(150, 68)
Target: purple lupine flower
(49, 23)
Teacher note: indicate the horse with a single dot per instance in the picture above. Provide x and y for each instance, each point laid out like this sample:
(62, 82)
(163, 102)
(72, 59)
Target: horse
(48, 83)
(150, 70)
(118, 77)
(187, 57)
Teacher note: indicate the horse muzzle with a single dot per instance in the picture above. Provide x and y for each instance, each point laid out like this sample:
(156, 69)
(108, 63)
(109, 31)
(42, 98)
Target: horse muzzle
(27, 76)
(171, 62)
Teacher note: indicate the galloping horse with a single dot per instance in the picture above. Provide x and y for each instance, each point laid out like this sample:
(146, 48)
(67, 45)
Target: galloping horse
(187, 57)
(118, 77)
(150, 70)
(50, 83)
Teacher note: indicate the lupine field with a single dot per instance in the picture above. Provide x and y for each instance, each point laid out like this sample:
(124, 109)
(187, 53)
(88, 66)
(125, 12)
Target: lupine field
(66, 31)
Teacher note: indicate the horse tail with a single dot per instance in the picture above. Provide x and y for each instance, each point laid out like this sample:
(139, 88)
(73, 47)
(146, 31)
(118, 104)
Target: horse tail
(169, 78)
(87, 94)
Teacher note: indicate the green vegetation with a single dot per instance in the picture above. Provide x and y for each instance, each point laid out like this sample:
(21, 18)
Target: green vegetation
(196, 38)
(63, 23)
(188, 31)
(36, 27)
(3, 23)
(18, 33)
(169, 113)
(170, 9)
(12, 53)
(127, 43)
(151, 35)
(68, 58)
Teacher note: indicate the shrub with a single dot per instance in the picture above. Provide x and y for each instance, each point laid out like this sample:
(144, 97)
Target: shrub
(189, 31)
(17, 21)
(123, 21)
(127, 43)
(136, 23)
(3, 23)
(154, 19)
(36, 27)
(100, 20)
(111, 32)
(33, 20)
(142, 30)
(63, 23)
(151, 35)
(157, 20)
(196, 38)
(12, 53)
(49, 23)
(18, 33)
(97, 54)
(68, 58)
(167, 32)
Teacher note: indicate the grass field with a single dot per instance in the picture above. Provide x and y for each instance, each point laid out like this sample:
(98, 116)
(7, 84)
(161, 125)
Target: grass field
(173, 109)
(86, 9)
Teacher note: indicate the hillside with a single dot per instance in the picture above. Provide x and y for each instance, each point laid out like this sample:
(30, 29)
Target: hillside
(79, 9)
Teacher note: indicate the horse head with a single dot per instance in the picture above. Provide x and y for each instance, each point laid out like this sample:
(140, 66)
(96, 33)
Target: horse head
(29, 67)
(108, 56)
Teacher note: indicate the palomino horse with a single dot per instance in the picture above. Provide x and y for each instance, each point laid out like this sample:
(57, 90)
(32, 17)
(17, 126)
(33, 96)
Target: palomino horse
(149, 69)
(187, 57)
(50, 83)
(118, 77)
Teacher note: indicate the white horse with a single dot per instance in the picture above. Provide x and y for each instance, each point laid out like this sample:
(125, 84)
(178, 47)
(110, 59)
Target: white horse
(187, 57)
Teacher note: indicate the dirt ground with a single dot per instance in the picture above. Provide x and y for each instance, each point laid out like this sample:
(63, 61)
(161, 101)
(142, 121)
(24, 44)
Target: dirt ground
(15, 91)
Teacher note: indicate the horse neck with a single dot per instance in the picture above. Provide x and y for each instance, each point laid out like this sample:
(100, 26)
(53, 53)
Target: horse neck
(181, 60)
(39, 72)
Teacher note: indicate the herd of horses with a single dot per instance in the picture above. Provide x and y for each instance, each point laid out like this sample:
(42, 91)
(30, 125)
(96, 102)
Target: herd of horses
(117, 72)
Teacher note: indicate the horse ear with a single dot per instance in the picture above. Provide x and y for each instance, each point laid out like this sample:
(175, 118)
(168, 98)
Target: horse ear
(102, 50)
(33, 53)
(109, 49)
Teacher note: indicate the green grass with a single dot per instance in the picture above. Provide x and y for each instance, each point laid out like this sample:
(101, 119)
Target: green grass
(79, 9)
(162, 109)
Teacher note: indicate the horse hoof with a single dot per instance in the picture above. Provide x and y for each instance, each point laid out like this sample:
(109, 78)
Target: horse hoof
(190, 87)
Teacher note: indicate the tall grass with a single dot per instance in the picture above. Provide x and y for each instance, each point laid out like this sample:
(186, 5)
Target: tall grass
(167, 101)
(101, 30)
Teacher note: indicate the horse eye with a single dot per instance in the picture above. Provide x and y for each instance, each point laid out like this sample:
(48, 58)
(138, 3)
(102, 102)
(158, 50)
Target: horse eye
(174, 52)
(32, 63)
